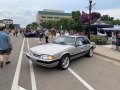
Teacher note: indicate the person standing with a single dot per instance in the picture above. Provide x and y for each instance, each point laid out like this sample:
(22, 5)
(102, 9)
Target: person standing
(41, 34)
(57, 33)
(46, 36)
(66, 33)
(16, 32)
(5, 46)
(118, 41)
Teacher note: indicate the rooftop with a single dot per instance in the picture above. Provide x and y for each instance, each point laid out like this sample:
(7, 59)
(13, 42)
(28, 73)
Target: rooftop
(50, 10)
(54, 12)
(7, 20)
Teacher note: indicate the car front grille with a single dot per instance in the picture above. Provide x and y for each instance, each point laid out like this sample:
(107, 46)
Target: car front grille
(35, 55)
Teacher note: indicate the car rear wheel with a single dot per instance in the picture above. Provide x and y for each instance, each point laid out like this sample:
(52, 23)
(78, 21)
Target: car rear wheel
(90, 53)
(64, 62)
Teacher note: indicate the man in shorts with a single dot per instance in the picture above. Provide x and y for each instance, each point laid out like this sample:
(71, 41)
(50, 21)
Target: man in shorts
(5, 46)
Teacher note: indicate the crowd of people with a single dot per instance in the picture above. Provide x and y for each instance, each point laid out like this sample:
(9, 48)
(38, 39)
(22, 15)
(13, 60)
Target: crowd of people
(54, 33)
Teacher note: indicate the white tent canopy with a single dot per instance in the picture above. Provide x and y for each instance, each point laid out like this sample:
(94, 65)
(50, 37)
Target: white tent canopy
(100, 34)
(111, 29)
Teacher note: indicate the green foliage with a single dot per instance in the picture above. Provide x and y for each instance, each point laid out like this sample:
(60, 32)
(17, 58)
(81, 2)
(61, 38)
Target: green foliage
(107, 18)
(32, 26)
(114, 22)
(11, 26)
(47, 24)
(94, 38)
(29, 27)
(76, 15)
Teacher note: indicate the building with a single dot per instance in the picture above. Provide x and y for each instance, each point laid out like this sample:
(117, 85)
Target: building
(7, 21)
(48, 15)
(1, 23)
(17, 26)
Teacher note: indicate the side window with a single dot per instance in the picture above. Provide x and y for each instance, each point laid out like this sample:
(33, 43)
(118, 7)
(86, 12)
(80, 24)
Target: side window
(80, 41)
(86, 41)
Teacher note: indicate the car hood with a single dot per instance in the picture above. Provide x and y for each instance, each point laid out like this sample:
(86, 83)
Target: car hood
(49, 49)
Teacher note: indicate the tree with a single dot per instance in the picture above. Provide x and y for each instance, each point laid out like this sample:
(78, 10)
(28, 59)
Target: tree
(76, 24)
(47, 24)
(11, 26)
(115, 22)
(34, 26)
(107, 18)
(85, 18)
(29, 27)
(76, 15)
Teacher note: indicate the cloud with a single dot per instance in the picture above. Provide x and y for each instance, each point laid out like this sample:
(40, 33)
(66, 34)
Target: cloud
(21, 16)
(111, 12)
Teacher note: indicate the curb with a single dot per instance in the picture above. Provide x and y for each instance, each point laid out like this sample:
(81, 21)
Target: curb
(118, 60)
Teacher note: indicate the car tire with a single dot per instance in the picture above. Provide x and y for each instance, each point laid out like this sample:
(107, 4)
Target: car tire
(64, 62)
(90, 53)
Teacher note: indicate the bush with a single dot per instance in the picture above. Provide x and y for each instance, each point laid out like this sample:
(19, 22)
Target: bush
(94, 38)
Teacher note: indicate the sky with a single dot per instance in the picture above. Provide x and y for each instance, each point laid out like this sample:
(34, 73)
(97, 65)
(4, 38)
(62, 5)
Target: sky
(24, 12)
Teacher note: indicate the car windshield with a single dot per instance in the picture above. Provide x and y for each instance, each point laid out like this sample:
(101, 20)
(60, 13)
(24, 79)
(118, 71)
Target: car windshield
(64, 40)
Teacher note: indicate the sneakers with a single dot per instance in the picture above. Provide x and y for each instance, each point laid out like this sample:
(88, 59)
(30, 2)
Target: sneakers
(7, 62)
(1, 64)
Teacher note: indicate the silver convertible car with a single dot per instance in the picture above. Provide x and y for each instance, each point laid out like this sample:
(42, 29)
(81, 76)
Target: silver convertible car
(61, 51)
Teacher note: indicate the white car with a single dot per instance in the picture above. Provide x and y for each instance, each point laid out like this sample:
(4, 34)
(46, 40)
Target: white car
(61, 51)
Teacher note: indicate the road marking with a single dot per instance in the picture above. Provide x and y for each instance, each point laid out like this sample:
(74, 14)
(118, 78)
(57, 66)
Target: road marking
(17, 72)
(23, 52)
(81, 80)
(20, 88)
(33, 82)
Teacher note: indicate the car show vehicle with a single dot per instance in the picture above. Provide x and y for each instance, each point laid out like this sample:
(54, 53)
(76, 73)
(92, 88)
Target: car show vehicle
(61, 51)
(30, 34)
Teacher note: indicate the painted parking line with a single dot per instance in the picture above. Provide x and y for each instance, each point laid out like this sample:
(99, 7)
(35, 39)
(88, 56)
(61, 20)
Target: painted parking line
(17, 72)
(81, 79)
(33, 82)
(20, 88)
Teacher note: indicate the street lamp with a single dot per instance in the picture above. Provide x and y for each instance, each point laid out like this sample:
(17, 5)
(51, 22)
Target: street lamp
(90, 7)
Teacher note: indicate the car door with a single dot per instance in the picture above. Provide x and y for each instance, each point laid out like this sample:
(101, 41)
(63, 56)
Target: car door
(86, 44)
(79, 48)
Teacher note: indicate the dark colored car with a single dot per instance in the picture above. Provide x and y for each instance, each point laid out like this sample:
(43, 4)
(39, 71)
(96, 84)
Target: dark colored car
(30, 34)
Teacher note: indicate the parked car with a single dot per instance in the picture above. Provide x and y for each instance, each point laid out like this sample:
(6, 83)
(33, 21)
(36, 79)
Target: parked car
(61, 51)
(30, 34)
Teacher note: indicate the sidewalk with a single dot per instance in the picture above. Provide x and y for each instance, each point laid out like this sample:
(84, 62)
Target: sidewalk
(107, 52)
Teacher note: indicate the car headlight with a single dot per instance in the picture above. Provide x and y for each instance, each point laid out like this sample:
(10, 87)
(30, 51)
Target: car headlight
(47, 57)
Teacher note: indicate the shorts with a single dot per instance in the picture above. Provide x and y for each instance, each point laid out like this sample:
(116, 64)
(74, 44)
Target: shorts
(41, 36)
(7, 51)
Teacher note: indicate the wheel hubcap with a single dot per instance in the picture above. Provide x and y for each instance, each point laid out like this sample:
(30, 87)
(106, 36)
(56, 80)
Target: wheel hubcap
(91, 52)
(65, 62)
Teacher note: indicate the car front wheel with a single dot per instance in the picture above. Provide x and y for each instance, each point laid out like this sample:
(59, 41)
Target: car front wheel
(64, 62)
(90, 53)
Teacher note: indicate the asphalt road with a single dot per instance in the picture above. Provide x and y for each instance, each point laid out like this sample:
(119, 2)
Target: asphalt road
(95, 73)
